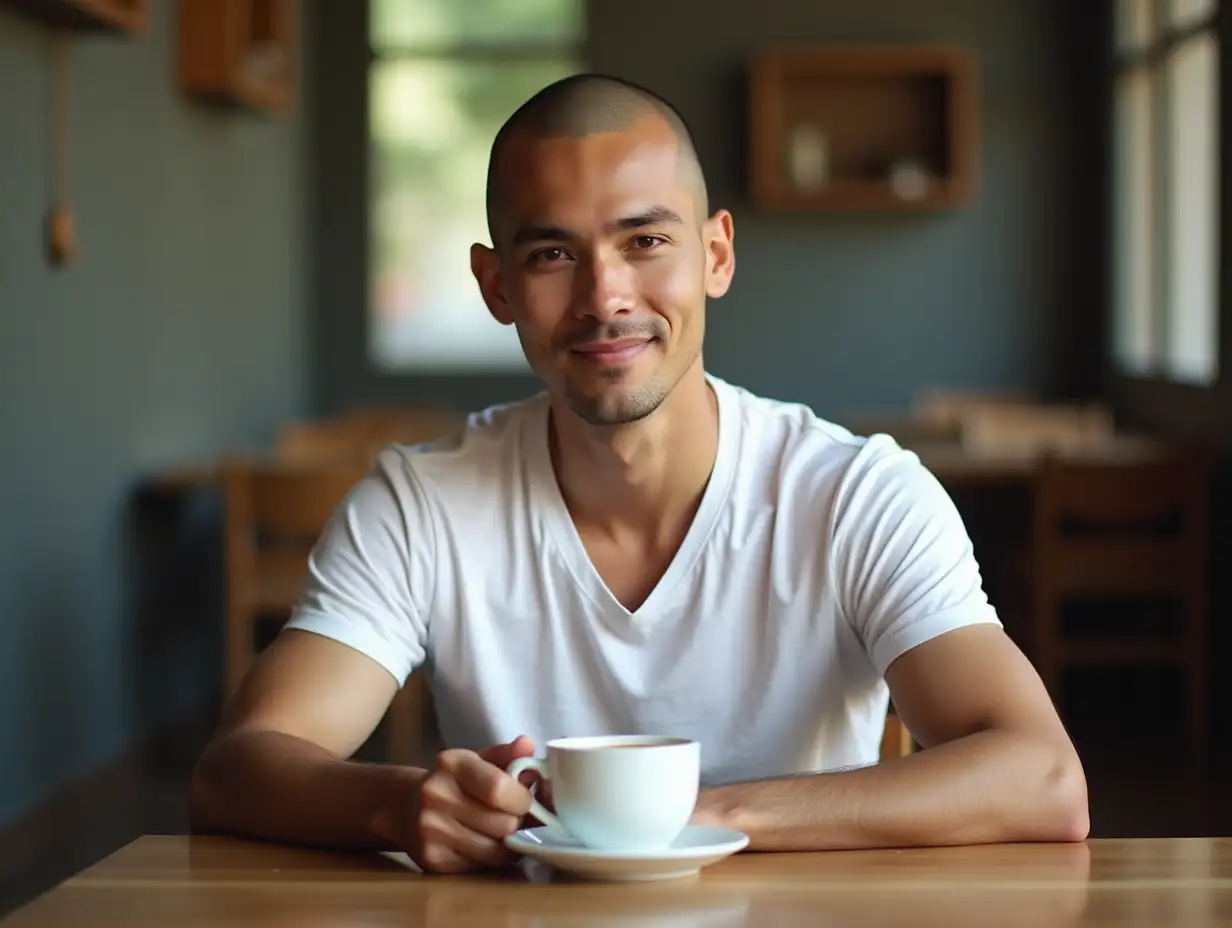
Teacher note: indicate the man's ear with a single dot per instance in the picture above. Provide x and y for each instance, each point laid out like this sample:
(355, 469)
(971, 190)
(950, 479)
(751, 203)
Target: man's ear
(719, 235)
(486, 266)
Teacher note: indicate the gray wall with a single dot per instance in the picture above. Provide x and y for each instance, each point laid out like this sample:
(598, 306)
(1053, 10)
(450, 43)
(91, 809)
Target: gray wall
(180, 331)
(837, 311)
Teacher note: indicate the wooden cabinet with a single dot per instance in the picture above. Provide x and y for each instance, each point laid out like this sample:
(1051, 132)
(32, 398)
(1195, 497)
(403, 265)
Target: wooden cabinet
(863, 128)
(89, 15)
(239, 51)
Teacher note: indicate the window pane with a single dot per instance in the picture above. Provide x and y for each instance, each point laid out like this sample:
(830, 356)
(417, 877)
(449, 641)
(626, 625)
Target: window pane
(1192, 77)
(1135, 24)
(432, 123)
(433, 22)
(1134, 277)
(1182, 13)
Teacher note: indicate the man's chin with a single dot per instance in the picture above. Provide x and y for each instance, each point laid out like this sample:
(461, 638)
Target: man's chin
(615, 407)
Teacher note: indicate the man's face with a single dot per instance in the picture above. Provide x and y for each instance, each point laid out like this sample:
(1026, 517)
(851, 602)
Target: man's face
(603, 263)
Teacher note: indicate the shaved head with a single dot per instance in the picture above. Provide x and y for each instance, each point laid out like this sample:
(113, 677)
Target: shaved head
(582, 105)
(603, 248)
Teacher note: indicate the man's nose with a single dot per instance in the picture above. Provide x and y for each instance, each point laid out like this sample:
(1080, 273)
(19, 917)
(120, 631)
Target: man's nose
(605, 289)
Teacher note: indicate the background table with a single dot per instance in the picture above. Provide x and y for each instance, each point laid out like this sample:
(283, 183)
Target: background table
(193, 881)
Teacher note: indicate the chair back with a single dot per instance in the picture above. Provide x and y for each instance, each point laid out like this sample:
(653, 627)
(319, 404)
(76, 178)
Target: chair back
(1121, 527)
(275, 512)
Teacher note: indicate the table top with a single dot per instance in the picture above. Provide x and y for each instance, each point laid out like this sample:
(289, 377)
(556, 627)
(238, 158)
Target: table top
(953, 463)
(192, 881)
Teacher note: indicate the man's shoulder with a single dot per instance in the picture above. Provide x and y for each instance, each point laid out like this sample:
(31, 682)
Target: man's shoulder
(791, 434)
(484, 446)
(812, 461)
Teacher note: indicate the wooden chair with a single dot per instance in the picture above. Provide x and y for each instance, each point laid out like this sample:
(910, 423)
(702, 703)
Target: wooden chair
(322, 441)
(896, 741)
(406, 425)
(275, 511)
(1116, 531)
(361, 435)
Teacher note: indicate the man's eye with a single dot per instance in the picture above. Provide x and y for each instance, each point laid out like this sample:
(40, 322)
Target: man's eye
(646, 242)
(545, 255)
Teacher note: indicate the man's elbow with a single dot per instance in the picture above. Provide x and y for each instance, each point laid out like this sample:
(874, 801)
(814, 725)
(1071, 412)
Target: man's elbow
(1067, 809)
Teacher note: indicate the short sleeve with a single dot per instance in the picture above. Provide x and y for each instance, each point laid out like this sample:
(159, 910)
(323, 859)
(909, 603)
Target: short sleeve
(370, 573)
(904, 566)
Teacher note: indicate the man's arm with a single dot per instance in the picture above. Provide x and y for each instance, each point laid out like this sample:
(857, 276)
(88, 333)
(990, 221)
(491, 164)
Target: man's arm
(997, 765)
(277, 768)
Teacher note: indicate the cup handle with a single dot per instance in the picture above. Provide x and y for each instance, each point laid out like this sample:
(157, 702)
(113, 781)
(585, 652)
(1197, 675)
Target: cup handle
(523, 764)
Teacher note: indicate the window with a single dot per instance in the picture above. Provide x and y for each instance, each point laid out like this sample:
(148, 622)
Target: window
(444, 75)
(1166, 190)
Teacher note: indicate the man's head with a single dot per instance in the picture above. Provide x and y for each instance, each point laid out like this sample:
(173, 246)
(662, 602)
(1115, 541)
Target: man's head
(603, 252)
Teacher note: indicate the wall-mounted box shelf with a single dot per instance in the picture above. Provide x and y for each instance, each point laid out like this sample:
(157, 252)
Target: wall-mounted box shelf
(128, 16)
(239, 51)
(863, 128)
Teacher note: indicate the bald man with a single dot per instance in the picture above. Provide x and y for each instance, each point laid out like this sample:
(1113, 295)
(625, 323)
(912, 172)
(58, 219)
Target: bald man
(641, 548)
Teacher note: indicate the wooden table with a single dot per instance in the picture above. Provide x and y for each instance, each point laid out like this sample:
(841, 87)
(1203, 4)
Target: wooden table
(182, 881)
(955, 465)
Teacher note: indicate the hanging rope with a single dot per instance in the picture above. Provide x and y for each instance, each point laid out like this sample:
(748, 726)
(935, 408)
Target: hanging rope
(62, 237)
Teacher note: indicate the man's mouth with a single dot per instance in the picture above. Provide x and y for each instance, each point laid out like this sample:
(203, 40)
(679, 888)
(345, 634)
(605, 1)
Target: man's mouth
(614, 351)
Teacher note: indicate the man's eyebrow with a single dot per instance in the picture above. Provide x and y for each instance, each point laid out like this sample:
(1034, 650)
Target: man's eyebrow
(654, 216)
(536, 233)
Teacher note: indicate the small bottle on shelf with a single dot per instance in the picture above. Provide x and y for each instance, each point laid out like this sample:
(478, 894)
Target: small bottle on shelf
(808, 154)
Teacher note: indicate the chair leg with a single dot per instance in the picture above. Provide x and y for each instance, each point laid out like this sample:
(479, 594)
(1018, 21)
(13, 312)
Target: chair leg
(1197, 727)
(405, 723)
(1197, 698)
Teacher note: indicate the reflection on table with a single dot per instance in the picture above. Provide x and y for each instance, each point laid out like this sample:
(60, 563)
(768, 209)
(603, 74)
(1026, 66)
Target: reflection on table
(190, 881)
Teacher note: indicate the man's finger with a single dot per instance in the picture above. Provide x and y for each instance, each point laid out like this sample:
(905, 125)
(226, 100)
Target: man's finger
(448, 798)
(502, 755)
(451, 847)
(447, 833)
(492, 787)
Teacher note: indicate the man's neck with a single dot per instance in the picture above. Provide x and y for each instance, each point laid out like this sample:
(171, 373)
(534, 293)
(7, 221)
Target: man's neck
(645, 478)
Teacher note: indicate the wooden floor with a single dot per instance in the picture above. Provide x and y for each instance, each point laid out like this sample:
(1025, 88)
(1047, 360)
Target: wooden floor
(1140, 786)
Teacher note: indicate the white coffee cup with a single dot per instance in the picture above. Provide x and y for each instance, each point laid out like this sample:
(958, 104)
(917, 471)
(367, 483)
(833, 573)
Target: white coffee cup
(618, 792)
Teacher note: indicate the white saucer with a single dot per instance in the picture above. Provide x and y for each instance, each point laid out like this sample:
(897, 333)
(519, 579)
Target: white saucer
(696, 847)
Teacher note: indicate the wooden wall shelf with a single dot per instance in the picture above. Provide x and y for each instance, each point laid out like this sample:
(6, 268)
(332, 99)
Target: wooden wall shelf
(121, 16)
(863, 128)
(240, 52)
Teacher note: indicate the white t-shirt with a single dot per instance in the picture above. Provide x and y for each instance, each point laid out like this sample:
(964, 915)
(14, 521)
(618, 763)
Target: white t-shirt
(814, 560)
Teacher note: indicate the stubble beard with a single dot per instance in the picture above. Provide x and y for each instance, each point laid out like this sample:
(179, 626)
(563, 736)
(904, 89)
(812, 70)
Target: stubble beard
(608, 409)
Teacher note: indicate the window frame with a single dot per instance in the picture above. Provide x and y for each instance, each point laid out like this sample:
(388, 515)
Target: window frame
(521, 50)
(1153, 56)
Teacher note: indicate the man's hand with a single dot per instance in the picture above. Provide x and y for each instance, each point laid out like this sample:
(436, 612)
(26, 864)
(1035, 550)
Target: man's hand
(465, 806)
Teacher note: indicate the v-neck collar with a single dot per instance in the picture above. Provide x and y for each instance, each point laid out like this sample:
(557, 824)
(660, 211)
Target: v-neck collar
(562, 531)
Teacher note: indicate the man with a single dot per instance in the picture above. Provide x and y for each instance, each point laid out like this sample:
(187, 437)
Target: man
(642, 548)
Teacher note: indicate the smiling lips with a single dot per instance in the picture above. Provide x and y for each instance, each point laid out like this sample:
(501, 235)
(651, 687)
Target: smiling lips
(617, 351)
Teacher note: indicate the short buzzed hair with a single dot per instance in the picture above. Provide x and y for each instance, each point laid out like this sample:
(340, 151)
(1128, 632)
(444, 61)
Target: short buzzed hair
(580, 105)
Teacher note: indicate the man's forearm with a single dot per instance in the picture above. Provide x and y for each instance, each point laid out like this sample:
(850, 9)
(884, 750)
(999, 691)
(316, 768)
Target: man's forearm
(268, 785)
(989, 787)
